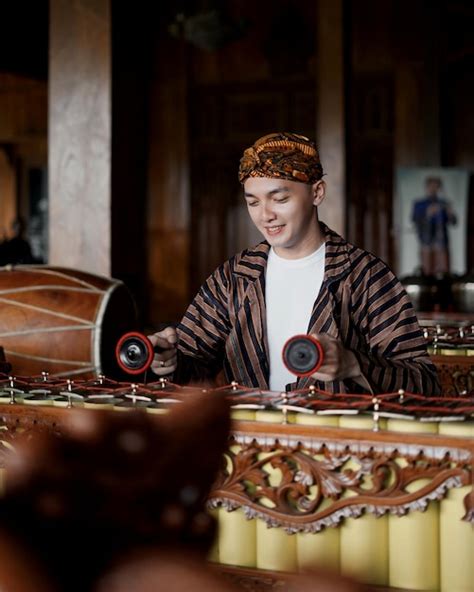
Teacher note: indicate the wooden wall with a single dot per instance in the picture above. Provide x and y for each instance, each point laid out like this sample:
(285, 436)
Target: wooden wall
(8, 193)
(391, 65)
(407, 104)
(168, 201)
(23, 141)
(207, 106)
(159, 129)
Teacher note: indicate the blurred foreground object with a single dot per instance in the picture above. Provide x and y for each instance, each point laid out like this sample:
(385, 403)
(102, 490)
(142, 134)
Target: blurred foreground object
(114, 484)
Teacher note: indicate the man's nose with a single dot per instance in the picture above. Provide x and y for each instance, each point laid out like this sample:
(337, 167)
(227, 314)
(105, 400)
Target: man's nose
(267, 212)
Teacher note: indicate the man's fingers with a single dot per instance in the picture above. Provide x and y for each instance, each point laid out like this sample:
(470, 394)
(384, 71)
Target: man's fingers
(170, 335)
(162, 370)
(165, 355)
(164, 339)
(165, 358)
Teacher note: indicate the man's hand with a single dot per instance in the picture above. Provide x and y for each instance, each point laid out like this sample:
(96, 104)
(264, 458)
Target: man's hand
(339, 363)
(433, 209)
(166, 361)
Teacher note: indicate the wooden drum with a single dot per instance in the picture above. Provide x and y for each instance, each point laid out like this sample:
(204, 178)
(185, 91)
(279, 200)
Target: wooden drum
(62, 321)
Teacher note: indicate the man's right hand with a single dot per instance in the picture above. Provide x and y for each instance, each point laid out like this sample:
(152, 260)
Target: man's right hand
(166, 361)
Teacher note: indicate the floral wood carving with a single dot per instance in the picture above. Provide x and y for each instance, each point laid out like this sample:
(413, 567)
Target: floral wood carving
(303, 478)
(456, 374)
(306, 487)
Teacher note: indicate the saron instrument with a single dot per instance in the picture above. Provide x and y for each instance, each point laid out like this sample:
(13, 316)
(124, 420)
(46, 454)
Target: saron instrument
(377, 487)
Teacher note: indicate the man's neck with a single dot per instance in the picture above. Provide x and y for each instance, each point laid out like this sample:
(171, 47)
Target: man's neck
(307, 247)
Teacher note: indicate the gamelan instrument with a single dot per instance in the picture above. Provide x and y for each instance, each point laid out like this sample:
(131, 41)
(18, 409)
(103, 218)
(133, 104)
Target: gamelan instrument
(380, 487)
(62, 321)
(134, 353)
(111, 488)
(303, 355)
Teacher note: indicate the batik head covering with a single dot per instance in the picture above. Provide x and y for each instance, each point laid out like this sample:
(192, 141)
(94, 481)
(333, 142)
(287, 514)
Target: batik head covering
(282, 156)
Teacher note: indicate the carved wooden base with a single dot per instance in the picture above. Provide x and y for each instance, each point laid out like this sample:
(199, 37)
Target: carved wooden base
(260, 580)
(255, 580)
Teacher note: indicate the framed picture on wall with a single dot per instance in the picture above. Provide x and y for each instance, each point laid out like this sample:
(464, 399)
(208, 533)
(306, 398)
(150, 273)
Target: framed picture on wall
(430, 216)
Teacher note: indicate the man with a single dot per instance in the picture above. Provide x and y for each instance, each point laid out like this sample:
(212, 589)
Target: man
(303, 278)
(17, 249)
(431, 216)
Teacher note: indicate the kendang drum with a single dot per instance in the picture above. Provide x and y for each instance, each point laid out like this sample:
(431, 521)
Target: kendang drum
(62, 321)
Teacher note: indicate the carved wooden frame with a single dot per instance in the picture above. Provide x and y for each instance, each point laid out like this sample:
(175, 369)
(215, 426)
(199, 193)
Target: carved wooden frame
(312, 464)
(312, 460)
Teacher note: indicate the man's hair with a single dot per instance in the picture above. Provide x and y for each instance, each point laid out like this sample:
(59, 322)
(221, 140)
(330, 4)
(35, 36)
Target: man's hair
(436, 180)
(282, 156)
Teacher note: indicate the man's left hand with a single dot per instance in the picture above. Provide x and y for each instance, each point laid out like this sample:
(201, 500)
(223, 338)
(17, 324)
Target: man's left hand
(339, 363)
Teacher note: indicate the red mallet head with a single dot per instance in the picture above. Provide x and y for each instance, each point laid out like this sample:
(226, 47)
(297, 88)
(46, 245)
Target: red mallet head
(134, 353)
(303, 355)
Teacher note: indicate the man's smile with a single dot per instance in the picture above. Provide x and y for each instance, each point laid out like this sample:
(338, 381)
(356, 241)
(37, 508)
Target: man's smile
(274, 229)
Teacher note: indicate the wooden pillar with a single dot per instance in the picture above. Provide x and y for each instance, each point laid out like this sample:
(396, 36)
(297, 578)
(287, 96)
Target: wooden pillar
(79, 160)
(417, 91)
(330, 118)
(98, 114)
(8, 206)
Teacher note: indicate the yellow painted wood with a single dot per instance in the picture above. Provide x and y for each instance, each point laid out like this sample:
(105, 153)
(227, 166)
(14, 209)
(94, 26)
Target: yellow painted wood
(414, 538)
(321, 548)
(276, 550)
(364, 549)
(237, 539)
(213, 554)
(242, 415)
(456, 536)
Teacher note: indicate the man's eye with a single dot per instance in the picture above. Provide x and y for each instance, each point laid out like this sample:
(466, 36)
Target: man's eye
(282, 199)
(251, 204)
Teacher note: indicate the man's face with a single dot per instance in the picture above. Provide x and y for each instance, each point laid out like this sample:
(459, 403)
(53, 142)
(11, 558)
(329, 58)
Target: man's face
(285, 213)
(433, 187)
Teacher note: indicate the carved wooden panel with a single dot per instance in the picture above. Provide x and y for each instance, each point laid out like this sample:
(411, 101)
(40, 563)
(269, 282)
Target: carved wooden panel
(456, 374)
(315, 473)
(312, 469)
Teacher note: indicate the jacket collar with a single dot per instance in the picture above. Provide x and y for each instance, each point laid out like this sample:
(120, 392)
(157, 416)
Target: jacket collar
(251, 263)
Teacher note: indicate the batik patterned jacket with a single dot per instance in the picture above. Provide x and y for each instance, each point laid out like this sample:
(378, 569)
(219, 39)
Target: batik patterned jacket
(360, 302)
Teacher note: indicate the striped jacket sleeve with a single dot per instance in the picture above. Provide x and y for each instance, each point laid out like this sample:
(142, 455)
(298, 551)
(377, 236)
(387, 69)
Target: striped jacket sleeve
(394, 356)
(203, 330)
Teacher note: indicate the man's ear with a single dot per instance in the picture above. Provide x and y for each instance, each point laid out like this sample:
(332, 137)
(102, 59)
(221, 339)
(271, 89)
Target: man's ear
(319, 192)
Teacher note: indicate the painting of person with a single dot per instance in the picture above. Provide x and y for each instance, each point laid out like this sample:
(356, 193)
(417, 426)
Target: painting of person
(430, 220)
(431, 215)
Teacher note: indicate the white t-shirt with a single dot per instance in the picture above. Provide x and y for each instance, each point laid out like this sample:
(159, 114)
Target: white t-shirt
(291, 289)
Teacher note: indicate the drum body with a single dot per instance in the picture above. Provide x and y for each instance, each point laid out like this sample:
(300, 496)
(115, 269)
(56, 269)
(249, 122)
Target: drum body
(62, 321)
